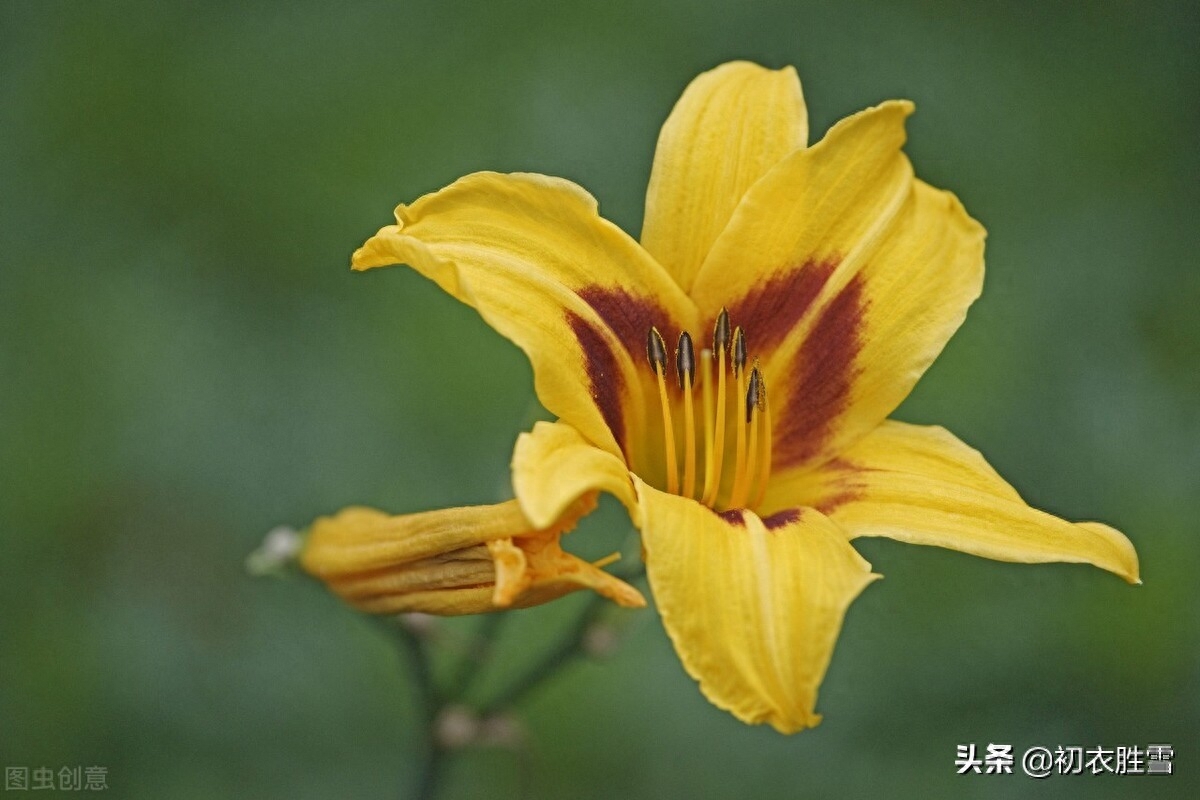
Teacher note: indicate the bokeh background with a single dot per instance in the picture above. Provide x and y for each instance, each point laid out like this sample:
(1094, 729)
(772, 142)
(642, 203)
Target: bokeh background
(186, 361)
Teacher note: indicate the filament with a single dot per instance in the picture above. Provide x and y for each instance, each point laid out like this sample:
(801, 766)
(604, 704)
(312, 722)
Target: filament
(764, 462)
(751, 418)
(706, 386)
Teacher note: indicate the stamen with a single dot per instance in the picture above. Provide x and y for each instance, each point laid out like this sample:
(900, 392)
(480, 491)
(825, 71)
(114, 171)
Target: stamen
(754, 396)
(739, 371)
(739, 350)
(716, 453)
(752, 420)
(685, 361)
(685, 365)
(764, 462)
(721, 331)
(706, 386)
(656, 352)
(743, 476)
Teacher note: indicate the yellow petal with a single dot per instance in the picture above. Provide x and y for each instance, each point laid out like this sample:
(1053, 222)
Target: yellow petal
(452, 561)
(731, 125)
(554, 465)
(534, 569)
(848, 277)
(753, 608)
(533, 256)
(441, 602)
(922, 485)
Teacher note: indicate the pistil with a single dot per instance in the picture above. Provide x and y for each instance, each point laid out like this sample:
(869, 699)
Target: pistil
(715, 455)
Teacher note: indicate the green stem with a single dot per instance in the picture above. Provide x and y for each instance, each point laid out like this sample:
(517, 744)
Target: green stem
(569, 648)
(429, 703)
(431, 772)
(470, 666)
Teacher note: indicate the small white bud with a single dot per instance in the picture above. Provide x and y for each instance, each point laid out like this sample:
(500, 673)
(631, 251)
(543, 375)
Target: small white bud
(278, 550)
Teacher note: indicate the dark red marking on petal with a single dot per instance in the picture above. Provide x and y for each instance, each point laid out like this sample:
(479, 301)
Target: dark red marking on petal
(733, 516)
(769, 311)
(782, 518)
(843, 489)
(831, 503)
(604, 374)
(629, 317)
(820, 378)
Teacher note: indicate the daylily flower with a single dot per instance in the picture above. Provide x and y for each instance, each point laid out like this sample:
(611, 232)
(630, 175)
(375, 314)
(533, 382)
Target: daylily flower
(728, 379)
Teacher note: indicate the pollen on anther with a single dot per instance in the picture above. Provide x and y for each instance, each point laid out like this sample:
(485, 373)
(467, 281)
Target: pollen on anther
(755, 397)
(721, 332)
(739, 350)
(656, 350)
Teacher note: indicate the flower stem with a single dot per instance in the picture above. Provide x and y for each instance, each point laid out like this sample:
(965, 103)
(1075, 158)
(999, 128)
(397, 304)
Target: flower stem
(470, 666)
(429, 703)
(568, 648)
(431, 772)
(565, 651)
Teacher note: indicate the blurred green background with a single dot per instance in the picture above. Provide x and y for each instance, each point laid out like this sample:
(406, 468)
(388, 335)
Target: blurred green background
(186, 361)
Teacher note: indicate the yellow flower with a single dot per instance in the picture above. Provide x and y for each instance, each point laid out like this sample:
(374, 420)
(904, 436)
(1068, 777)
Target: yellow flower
(803, 291)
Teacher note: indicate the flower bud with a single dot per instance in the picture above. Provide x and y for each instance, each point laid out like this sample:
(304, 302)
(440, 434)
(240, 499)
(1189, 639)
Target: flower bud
(454, 561)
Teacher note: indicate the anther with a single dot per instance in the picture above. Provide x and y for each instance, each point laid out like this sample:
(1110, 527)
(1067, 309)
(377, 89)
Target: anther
(739, 350)
(685, 360)
(754, 395)
(656, 350)
(721, 332)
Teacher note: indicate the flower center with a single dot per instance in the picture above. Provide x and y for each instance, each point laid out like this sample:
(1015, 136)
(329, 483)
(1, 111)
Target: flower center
(750, 465)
